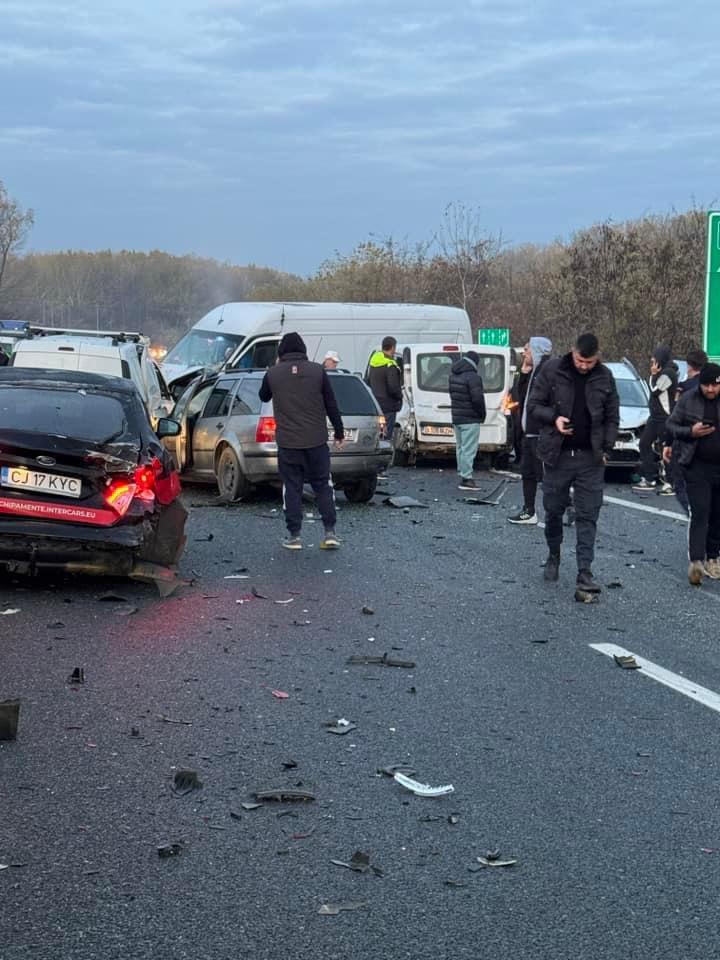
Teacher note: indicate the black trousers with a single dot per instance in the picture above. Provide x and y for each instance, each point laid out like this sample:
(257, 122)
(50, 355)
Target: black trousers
(531, 471)
(298, 467)
(703, 491)
(580, 470)
(653, 431)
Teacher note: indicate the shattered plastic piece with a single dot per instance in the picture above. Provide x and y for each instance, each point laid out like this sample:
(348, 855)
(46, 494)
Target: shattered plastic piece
(383, 661)
(77, 676)
(455, 883)
(170, 850)
(125, 611)
(368, 611)
(394, 768)
(134, 731)
(291, 600)
(251, 806)
(359, 863)
(615, 585)
(483, 861)
(423, 789)
(185, 723)
(491, 499)
(237, 576)
(282, 795)
(340, 727)
(582, 596)
(256, 593)
(627, 662)
(280, 694)
(9, 612)
(165, 578)
(186, 781)
(404, 503)
(333, 909)
(492, 854)
(9, 716)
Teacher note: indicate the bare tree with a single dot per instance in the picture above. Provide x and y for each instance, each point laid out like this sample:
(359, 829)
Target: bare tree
(468, 250)
(15, 224)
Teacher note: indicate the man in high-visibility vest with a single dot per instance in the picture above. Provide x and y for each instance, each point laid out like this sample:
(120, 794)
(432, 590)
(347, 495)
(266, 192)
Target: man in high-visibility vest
(385, 381)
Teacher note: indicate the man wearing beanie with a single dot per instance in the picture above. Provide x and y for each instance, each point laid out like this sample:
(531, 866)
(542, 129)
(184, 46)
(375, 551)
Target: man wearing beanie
(663, 386)
(695, 428)
(303, 401)
(467, 399)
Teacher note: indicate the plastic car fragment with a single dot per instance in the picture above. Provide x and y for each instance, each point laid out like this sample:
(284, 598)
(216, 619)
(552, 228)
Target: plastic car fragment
(383, 661)
(582, 596)
(340, 727)
(9, 612)
(333, 909)
(404, 503)
(394, 768)
(626, 661)
(486, 862)
(282, 795)
(491, 499)
(186, 781)
(422, 789)
(359, 863)
(9, 717)
(77, 676)
(170, 850)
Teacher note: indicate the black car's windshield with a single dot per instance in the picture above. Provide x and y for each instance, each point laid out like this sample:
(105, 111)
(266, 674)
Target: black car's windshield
(79, 414)
(631, 393)
(353, 397)
(203, 348)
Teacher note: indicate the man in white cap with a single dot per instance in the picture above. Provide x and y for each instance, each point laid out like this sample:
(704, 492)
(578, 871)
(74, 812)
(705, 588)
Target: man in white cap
(331, 360)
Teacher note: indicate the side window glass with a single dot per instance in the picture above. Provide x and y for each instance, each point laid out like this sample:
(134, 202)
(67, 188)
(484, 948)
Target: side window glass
(264, 354)
(246, 400)
(198, 401)
(219, 401)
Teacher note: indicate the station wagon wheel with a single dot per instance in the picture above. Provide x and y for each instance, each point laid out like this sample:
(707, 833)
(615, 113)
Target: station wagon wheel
(232, 482)
(361, 491)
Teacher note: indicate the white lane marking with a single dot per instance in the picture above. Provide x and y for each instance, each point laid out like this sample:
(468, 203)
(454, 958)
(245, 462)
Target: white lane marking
(645, 509)
(669, 679)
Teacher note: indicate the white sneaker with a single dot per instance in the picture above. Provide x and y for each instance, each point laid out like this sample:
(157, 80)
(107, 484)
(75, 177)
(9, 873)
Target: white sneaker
(524, 516)
(712, 568)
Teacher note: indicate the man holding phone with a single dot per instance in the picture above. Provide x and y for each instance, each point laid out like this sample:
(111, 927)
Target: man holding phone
(695, 428)
(575, 401)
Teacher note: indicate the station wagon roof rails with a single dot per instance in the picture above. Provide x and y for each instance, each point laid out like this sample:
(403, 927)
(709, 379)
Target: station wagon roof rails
(117, 336)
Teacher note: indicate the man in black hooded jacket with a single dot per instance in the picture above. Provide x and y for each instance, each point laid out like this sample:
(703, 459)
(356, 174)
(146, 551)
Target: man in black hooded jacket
(576, 403)
(467, 399)
(663, 387)
(303, 402)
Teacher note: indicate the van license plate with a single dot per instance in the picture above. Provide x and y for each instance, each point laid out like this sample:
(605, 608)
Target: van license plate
(23, 479)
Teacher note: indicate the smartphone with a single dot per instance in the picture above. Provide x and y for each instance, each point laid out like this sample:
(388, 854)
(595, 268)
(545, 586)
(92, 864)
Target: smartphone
(709, 423)
(569, 426)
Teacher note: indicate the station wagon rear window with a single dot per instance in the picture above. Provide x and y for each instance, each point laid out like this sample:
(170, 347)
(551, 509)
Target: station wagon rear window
(433, 371)
(353, 397)
(82, 415)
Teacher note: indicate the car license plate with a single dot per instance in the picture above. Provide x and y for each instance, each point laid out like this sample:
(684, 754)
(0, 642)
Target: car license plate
(350, 435)
(23, 479)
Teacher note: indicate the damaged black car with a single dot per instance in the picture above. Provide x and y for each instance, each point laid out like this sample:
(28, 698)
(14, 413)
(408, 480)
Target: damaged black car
(85, 484)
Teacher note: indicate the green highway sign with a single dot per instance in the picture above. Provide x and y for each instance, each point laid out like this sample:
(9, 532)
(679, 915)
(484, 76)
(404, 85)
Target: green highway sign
(497, 336)
(711, 326)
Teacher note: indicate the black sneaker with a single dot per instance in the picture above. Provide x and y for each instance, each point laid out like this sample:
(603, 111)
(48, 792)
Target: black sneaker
(524, 517)
(552, 567)
(586, 583)
(468, 484)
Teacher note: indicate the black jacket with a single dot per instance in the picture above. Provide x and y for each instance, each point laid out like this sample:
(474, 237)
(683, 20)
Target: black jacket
(467, 396)
(663, 387)
(303, 401)
(552, 395)
(689, 409)
(385, 380)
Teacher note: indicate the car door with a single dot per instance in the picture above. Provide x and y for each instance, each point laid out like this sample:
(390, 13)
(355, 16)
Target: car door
(210, 425)
(185, 413)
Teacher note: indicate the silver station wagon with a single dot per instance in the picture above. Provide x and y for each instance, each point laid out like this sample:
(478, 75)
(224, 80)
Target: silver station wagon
(227, 436)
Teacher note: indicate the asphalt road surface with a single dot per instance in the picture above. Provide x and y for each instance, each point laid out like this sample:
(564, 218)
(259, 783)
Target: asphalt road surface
(601, 782)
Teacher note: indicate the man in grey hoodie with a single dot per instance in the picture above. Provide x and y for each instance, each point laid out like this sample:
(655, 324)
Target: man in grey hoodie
(535, 353)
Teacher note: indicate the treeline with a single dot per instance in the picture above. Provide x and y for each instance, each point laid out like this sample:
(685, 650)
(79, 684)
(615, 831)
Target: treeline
(635, 284)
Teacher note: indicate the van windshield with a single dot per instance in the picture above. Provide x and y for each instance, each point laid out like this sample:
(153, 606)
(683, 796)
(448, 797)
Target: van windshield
(433, 370)
(203, 348)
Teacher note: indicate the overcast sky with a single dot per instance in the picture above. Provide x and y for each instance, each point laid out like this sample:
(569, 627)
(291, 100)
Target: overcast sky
(279, 132)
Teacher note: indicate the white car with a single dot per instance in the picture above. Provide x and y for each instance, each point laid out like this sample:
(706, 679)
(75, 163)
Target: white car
(634, 398)
(123, 355)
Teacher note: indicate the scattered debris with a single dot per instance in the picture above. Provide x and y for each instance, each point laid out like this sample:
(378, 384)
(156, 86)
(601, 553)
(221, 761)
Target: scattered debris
(341, 726)
(9, 716)
(170, 850)
(125, 611)
(453, 819)
(455, 883)
(9, 612)
(394, 768)
(582, 596)
(539, 640)
(333, 909)
(626, 661)
(289, 764)
(383, 661)
(134, 731)
(256, 593)
(491, 499)
(186, 781)
(369, 611)
(185, 723)
(291, 600)
(495, 862)
(207, 539)
(237, 576)
(251, 806)
(280, 694)
(359, 863)
(77, 676)
(422, 789)
(615, 585)
(404, 503)
(282, 795)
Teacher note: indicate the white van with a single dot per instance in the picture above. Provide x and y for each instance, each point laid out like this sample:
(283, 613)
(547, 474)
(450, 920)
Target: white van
(246, 335)
(116, 355)
(424, 425)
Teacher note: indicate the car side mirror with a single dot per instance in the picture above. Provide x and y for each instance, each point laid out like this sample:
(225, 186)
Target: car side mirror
(167, 428)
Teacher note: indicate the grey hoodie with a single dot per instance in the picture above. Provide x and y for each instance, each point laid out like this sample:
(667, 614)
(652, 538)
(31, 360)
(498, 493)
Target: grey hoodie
(539, 347)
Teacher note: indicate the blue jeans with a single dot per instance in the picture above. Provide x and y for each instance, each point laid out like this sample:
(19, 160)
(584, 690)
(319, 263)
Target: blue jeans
(467, 437)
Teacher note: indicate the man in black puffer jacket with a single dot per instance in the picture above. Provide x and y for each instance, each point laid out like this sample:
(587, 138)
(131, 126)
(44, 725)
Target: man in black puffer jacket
(303, 402)
(467, 399)
(575, 402)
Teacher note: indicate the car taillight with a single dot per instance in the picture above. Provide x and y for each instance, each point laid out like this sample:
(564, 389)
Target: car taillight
(119, 495)
(265, 432)
(120, 492)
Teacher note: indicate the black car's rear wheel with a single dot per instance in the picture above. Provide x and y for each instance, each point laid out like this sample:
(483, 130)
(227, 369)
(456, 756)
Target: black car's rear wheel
(361, 491)
(232, 482)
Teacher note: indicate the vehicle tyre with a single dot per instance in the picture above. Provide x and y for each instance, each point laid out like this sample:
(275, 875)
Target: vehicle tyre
(232, 482)
(361, 491)
(401, 455)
